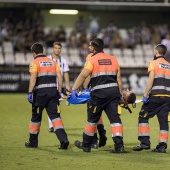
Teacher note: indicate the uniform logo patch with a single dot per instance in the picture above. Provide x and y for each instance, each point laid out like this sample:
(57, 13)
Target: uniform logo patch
(46, 63)
(105, 62)
(165, 66)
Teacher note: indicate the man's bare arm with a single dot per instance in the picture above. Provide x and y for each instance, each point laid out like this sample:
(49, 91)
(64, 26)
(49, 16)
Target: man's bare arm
(60, 81)
(67, 80)
(119, 80)
(149, 83)
(33, 78)
(80, 79)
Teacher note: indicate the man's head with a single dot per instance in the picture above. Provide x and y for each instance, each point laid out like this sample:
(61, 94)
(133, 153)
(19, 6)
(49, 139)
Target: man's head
(57, 48)
(96, 45)
(36, 49)
(160, 50)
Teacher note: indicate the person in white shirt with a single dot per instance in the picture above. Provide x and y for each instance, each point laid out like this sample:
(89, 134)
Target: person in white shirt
(64, 68)
(166, 42)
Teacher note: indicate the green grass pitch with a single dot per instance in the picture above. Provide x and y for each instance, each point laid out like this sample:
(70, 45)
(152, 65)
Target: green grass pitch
(15, 114)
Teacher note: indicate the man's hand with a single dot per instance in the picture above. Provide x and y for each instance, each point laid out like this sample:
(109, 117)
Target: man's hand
(145, 100)
(61, 94)
(29, 98)
(74, 94)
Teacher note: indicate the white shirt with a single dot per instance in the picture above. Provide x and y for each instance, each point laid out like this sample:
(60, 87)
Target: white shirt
(62, 63)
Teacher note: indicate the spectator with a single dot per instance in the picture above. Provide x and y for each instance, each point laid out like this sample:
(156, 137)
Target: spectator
(49, 38)
(80, 24)
(72, 39)
(94, 25)
(84, 51)
(116, 41)
(129, 42)
(61, 34)
(166, 42)
(111, 29)
(82, 39)
(106, 39)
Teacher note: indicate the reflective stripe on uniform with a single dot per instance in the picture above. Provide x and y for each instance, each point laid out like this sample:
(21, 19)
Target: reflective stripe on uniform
(46, 85)
(102, 86)
(162, 76)
(103, 73)
(161, 88)
(47, 74)
(163, 136)
(57, 124)
(34, 127)
(143, 129)
(90, 129)
(117, 129)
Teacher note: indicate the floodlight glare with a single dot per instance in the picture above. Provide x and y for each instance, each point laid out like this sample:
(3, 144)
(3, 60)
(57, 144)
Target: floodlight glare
(64, 11)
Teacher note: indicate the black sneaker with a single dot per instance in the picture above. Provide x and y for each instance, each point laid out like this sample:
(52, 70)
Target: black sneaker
(28, 145)
(51, 130)
(78, 144)
(64, 145)
(118, 150)
(102, 140)
(161, 149)
(141, 147)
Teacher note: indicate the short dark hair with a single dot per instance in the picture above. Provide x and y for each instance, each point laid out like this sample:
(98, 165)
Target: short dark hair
(98, 44)
(37, 48)
(161, 49)
(131, 98)
(57, 43)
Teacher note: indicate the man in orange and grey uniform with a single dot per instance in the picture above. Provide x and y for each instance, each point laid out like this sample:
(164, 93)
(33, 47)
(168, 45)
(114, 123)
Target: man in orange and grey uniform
(158, 102)
(43, 87)
(100, 125)
(106, 84)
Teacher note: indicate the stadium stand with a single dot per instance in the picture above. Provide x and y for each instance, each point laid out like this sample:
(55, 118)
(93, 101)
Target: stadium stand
(136, 55)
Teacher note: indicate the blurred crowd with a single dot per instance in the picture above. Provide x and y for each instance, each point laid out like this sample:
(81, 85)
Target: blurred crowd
(25, 32)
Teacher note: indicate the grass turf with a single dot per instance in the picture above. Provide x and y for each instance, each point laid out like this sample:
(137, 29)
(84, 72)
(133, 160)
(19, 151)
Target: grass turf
(15, 115)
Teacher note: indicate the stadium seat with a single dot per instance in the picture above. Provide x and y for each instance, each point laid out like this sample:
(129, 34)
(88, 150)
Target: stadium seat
(20, 58)
(49, 50)
(9, 58)
(147, 47)
(148, 58)
(64, 51)
(7, 46)
(138, 53)
(2, 61)
(75, 58)
(117, 52)
(28, 58)
(108, 51)
(127, 52)
(121, 61)
(140, 62)
(68, 31)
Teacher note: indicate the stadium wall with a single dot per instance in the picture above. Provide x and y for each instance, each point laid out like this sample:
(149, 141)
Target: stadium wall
(18, 81)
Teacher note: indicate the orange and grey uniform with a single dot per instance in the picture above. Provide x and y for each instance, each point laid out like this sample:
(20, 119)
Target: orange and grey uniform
(45, 95)
(100, 125)
(159, 103)
(105, 96)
